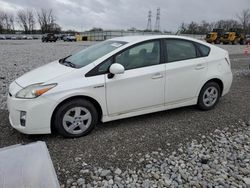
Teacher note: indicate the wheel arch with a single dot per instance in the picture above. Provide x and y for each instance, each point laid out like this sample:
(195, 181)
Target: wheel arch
(90, 99)
(216, 80)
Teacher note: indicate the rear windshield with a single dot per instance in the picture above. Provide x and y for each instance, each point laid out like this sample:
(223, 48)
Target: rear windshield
(93, 53)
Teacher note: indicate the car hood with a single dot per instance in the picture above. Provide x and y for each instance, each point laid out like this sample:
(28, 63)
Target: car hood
(43, 74)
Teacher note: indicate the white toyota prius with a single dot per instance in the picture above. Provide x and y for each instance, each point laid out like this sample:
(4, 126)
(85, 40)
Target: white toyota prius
(118, 78)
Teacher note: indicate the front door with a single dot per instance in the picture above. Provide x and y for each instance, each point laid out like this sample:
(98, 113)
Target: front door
(142, 84)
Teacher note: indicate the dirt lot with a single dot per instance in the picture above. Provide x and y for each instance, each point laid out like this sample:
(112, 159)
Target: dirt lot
(120, 143)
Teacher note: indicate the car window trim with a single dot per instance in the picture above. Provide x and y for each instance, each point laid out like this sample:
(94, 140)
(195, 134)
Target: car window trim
(94, 71)
(200, 55)
(198, 47)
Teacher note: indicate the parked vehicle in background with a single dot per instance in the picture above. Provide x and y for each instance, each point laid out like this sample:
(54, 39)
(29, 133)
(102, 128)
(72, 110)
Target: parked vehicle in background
(49, 37)
(2, 37)
(118, 78)
(248, 39)
(24, 37)
(29, 38)
(13, 38)
(215, 36)
(60, 36)
(7, 37)
(234, 36)
(69, 38)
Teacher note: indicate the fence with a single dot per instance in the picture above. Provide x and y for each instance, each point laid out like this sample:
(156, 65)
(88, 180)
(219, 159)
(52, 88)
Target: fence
(97, 35)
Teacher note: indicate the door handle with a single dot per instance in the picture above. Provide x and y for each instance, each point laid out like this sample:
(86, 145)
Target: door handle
(157, 76)
(199, 67)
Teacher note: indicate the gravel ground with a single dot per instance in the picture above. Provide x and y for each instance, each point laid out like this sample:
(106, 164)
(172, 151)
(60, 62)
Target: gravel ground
(124, 144)
(220, 159)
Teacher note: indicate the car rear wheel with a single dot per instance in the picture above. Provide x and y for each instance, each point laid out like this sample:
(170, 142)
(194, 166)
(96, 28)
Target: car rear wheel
(209, 96)
(76, 118)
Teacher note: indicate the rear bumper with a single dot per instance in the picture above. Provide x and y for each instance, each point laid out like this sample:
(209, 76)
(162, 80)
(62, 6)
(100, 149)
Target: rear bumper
(227, 82)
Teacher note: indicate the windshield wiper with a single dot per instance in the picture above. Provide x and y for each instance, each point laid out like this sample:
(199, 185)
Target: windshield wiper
(67, 63)
(63, 59)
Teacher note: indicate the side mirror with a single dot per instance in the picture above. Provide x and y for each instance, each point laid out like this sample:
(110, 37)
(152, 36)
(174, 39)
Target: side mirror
(116, 69)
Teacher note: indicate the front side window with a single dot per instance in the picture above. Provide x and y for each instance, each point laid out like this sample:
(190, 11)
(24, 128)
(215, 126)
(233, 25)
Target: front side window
(178, 50)
(92, 53)
(141, 55)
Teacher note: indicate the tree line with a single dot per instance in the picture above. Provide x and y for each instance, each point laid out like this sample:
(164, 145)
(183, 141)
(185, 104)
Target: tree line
(27, 21)
(242, 21)
(45, 18)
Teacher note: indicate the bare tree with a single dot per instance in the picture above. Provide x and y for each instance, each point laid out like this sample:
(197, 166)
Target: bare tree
(6, 22)
(244, 18)
(1, 22)
(227, 24)
(12, 22)
(46, 19)
(22, 20)
(26, 20)
(31, 20)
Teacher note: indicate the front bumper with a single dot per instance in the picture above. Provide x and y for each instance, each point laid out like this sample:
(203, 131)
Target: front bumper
(38, 114)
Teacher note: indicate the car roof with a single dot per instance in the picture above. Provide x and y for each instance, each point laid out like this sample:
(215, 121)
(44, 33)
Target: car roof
(139, 38)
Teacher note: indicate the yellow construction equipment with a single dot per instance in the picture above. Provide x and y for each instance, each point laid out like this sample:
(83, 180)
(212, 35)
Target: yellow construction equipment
(215, 36)
(234, 36)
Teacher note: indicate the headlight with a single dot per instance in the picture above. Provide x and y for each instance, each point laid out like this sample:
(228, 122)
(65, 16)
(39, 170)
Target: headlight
(33, 91)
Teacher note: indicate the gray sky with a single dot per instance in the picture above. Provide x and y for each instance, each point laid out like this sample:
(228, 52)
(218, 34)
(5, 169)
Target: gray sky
(124, 14)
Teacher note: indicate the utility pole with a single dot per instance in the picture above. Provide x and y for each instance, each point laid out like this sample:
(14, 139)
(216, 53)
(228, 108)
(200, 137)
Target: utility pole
(149, 25)
(157, 22)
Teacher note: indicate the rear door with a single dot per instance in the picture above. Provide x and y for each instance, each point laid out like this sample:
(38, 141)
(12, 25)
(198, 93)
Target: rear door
(185, 70)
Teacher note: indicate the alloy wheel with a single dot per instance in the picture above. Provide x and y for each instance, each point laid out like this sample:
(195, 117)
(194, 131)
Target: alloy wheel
(210, 96)
(77, 120)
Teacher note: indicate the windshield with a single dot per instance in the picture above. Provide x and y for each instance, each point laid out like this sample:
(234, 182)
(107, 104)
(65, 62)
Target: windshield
(92, 53)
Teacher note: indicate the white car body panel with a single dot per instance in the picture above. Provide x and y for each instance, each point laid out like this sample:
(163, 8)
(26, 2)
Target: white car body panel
(183, 78)
(148, 82)
(135, 92)
(43, 74)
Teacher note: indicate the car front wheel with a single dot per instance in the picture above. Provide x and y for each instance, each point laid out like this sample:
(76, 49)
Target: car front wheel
(76, 118)
(209, 96)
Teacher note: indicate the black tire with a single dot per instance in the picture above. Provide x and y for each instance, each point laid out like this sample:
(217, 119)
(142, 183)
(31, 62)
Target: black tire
(201, 103)
(242, 42)
(217, 41)
(66, 107)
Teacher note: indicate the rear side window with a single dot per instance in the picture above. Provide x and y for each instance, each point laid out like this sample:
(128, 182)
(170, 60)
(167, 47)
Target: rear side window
(178, 50)
(203, 49)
